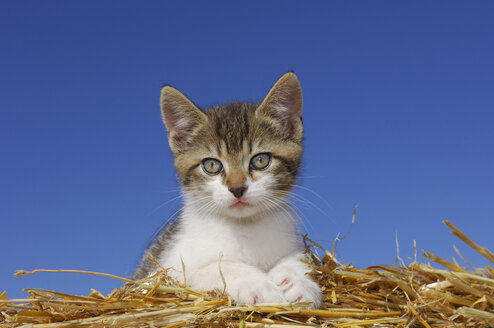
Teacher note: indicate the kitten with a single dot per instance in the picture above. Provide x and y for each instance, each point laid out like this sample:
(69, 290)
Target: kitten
(236, 163)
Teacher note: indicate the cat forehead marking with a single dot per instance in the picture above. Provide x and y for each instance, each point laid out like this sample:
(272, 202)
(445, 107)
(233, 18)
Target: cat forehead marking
(232, 125)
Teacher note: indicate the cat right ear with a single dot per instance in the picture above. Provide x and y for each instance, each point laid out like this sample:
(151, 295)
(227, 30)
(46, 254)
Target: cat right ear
(181, 117)
(283, 107)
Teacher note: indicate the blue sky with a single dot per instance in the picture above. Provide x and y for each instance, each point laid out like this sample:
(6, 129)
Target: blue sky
(398, 113)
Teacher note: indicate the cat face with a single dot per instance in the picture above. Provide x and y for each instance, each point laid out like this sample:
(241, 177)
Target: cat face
(241, 159)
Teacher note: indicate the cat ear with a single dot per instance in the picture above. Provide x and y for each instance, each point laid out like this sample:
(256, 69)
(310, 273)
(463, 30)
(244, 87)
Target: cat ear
(283, 106)
(181, 117)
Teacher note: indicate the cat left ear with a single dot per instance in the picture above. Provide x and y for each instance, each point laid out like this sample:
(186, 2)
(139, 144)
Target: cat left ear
(181, 117)
(283, 106)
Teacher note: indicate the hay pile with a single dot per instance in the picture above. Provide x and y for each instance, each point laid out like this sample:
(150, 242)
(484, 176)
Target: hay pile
(416, 295)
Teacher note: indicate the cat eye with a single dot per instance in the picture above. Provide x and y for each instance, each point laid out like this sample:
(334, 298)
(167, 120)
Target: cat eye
(260, 161)
(212, 166)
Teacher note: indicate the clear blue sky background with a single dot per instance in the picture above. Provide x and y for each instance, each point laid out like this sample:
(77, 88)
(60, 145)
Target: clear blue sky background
(398, 111)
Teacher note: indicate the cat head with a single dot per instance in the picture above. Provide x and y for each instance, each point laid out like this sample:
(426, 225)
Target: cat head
(241, 159)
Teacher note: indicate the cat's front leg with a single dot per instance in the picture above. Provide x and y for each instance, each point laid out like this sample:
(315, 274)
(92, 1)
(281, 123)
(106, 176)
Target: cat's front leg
(246, 284)
(290, 276)
(256, 290)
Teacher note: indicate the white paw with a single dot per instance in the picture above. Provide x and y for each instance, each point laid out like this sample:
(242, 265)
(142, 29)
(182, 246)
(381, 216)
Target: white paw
(296, 287)
(254, 291)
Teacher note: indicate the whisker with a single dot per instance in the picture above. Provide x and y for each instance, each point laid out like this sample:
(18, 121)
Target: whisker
(165, 203)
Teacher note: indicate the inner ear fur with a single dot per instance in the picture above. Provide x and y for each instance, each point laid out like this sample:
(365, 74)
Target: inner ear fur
(283, 106)
(181, 117)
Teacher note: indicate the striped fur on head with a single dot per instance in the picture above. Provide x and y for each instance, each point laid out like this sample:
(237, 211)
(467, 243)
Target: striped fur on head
(233, 134)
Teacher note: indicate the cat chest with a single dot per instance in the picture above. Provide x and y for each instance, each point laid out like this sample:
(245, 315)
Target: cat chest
(261, 245)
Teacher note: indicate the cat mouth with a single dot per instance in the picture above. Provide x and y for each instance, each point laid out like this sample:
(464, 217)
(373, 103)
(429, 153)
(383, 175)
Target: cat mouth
(239, 204)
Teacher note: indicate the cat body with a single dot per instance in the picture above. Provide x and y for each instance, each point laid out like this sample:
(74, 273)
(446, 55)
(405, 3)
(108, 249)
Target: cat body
(237, 163)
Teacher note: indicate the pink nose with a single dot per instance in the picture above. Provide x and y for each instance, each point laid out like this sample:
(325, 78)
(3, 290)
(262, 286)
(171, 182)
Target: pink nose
(238, 191)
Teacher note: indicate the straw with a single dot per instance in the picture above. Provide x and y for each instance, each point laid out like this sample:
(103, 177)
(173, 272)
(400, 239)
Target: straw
(416, 295)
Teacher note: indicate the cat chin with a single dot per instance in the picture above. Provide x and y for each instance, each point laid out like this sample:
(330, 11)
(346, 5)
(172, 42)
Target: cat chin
(223, 206)
(245, 214)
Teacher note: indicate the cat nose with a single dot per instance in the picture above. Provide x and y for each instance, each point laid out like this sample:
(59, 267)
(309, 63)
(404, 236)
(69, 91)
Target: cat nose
(238, 191)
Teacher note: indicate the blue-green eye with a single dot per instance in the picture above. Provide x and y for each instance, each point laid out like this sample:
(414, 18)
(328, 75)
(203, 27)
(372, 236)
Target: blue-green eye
(212, 166)
(260, 161)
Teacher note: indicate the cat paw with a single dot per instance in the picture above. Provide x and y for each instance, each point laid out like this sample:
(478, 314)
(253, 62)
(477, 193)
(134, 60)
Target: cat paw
(255, 291)
(296, 287)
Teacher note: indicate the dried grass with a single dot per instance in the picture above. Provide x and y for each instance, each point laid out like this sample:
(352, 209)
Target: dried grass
(416, 295)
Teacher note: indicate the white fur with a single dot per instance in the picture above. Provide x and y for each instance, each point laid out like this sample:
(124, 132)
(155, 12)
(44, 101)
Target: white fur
(258, 244)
